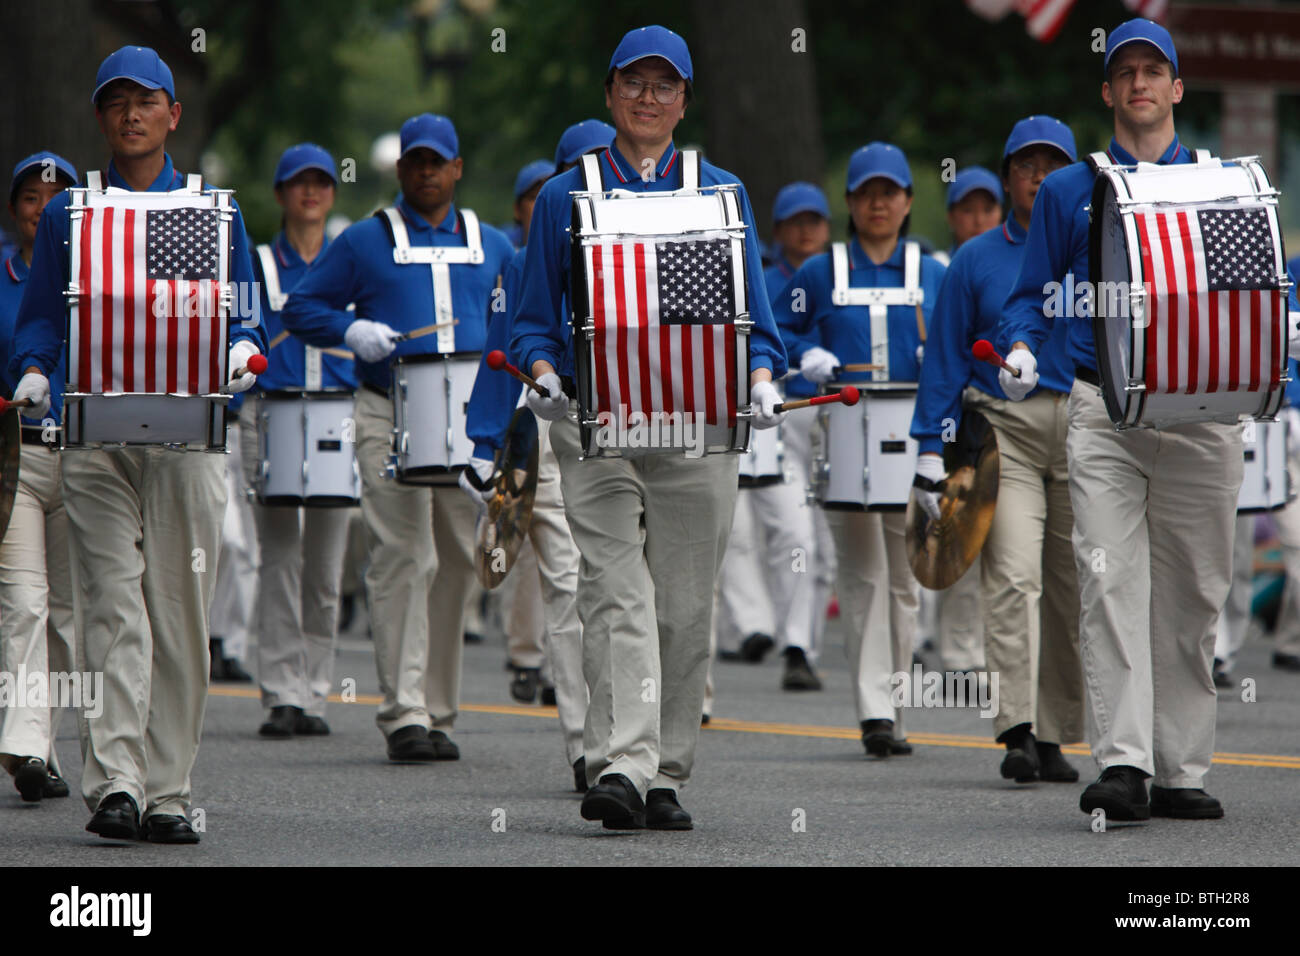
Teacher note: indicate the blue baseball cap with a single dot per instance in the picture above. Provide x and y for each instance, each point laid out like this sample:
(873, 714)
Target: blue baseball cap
(539, 170)
(41, 159)
(1040, 130)
(794, 198)
(878, 159)
(582, 138)
(433, 132)
(140, 64)
(970, 179)
(304, 156)
(653, 41)
(1139, 30)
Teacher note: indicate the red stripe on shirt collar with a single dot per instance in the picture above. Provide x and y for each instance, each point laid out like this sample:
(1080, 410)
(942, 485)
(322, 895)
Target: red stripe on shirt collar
(1006, 232)
(613, 165)
(672, 160)
(9, 264)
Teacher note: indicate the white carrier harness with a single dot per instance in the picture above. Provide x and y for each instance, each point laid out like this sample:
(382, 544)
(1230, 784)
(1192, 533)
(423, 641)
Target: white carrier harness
(878, 300)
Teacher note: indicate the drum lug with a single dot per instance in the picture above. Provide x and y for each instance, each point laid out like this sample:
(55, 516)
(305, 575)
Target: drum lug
(743, 323)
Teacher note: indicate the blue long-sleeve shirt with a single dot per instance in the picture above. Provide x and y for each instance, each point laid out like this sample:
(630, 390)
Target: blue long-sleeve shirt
(41, 327)
(538, 331)
(13, 280)
(496, 393)
(846, 330)
(358, 267)
(777, 276)
(1057, 252)
(982, 273)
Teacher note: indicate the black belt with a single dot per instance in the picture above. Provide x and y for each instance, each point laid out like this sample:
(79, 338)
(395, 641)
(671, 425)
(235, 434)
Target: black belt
(1087, 375)
(34, 436)
(381, 392)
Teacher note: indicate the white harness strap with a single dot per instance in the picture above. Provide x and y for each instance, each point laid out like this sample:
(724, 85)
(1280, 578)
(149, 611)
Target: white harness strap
(276, 297)
(690, 171)
(439, 260)
(1201, 155)
(878, 300)
(591, 172)
(95, 180)
(1100, 160)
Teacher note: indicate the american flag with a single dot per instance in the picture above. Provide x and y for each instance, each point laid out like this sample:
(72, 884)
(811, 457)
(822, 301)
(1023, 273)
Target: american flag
(1215, 307)
(1044, 18)
(664, 339)
(147, 309)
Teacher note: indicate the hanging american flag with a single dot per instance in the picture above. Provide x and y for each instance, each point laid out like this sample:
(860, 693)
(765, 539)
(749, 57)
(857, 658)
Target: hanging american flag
(1151, 9)
(147, 310)
(664, 339)
(1215, 307)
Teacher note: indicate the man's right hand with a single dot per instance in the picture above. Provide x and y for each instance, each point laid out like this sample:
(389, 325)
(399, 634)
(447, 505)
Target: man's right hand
(34, 387)
(1018, 387)
(554, 405)
(372, 341)
(818, 365)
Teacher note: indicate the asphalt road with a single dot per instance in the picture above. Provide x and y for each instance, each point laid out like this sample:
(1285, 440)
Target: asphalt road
(769, 760)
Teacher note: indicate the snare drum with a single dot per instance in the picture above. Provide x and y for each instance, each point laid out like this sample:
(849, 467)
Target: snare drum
(867, 459)
(1264, 478)
(307, 448)
(1189, 316)
(430, 397)
(659, 371)
(763, 464)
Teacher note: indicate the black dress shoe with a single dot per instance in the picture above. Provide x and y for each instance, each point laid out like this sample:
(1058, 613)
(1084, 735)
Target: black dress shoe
(29, 778)
(1052, 765)
(663, 812)
(282, 722)
(704, 720)
(55, 786)
(799, 674)
(899, 748)
(216, 662)
(755, 647)
(615, 802)
(580, 775)
(524, 687)
(1121, 792)
(232, 672)
(1021, 763)
(411, 744)
(548, 695)
(168, 828)
(1184, 804)
(116, 818)
(878, 737)
(309, 726)
(1287, 662)
(444, 748)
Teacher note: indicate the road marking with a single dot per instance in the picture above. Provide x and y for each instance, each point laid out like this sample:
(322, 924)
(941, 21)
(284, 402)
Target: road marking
(970, 741)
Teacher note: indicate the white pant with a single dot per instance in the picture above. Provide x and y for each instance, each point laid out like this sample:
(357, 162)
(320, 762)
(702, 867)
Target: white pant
(961, 622)
(796, 438)
(235, 597)
(1234, 620)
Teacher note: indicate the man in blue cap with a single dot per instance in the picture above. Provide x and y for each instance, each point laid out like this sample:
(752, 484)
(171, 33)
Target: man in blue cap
(651, 531)
(974, 206)
(36, 604)
(1153, 510)
(528, 183)
(138, 515)
(421, 537)
(1029, 585)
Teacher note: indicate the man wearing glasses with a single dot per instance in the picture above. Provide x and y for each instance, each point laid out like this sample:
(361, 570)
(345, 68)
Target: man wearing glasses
(651, 531)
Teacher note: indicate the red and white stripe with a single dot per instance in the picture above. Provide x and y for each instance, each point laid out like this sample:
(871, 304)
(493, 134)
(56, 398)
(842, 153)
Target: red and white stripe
(1151, 9)
(643, 364)
(1044, 18)
(136, 334)
(1198, 341)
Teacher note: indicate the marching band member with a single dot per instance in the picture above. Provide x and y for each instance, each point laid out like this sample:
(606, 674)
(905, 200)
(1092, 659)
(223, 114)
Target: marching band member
(651, 530)
(877, 591)
(1286, 650)
(138, 516)
(1030, 590)
(1153, 510)
(974, 204)
(421, 538)
(301, 549)
(37, 627)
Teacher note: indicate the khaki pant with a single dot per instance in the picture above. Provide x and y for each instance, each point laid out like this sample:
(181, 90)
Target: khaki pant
(1234, 619)
(301, 557)
(145, 527)
(37, 625)
(960, 622)
(651, 532)
(879, 598)
(234, 602)
(1153, 522)
(1030, 583)
(421, 563)
(796, 437)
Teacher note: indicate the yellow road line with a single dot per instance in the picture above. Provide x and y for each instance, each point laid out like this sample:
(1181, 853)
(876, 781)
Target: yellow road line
(964, 741)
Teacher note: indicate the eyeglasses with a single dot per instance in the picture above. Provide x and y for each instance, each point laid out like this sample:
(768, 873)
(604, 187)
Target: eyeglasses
(630, 88)
(1028, 170)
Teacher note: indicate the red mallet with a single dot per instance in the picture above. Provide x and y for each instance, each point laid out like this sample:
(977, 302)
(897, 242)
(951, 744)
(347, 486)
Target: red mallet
(984, 351)
(6, 404)
(256, 365)
(496, 360)
(848, 395)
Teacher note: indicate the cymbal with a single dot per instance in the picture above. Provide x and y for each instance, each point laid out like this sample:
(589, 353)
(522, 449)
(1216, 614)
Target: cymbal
(941, 551)
(503, 527)
(11, 451)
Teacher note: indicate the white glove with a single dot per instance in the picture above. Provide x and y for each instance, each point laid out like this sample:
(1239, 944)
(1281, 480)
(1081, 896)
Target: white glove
(371, 341)
(36, 387)
(929, 468)
(818, 365)
(240, 353)
(763, 397)
(483, 469)
(1293, 334)
(550, 407)
(1018, 388)
(920, 354)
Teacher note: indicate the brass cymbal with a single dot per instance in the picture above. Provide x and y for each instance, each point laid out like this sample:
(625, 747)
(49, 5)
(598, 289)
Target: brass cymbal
(503, 527)
(941, 551)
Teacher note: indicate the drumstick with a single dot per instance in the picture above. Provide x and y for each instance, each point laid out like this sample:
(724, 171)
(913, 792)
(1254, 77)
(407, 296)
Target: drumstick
(920, 323)
(496, 360)
(425, 330)
(859, 367)
(339, 353)
(6, 404)
(847, 395)
(277, 340)
(984, 351)
(256, 365)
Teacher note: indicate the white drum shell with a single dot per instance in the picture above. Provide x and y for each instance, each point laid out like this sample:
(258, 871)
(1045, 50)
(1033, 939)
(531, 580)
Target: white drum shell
(307, 450)
(867, 459)
(430, 398)
(1264, 478)
(763, 463)
(193, 422)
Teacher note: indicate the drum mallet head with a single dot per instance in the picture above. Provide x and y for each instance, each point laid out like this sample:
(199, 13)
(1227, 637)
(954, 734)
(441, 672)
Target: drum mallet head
(496, 360)
(848, 395)
(984, 351)
(6, 404)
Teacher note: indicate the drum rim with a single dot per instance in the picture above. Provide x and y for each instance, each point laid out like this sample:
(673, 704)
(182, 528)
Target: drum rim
(425, 358)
